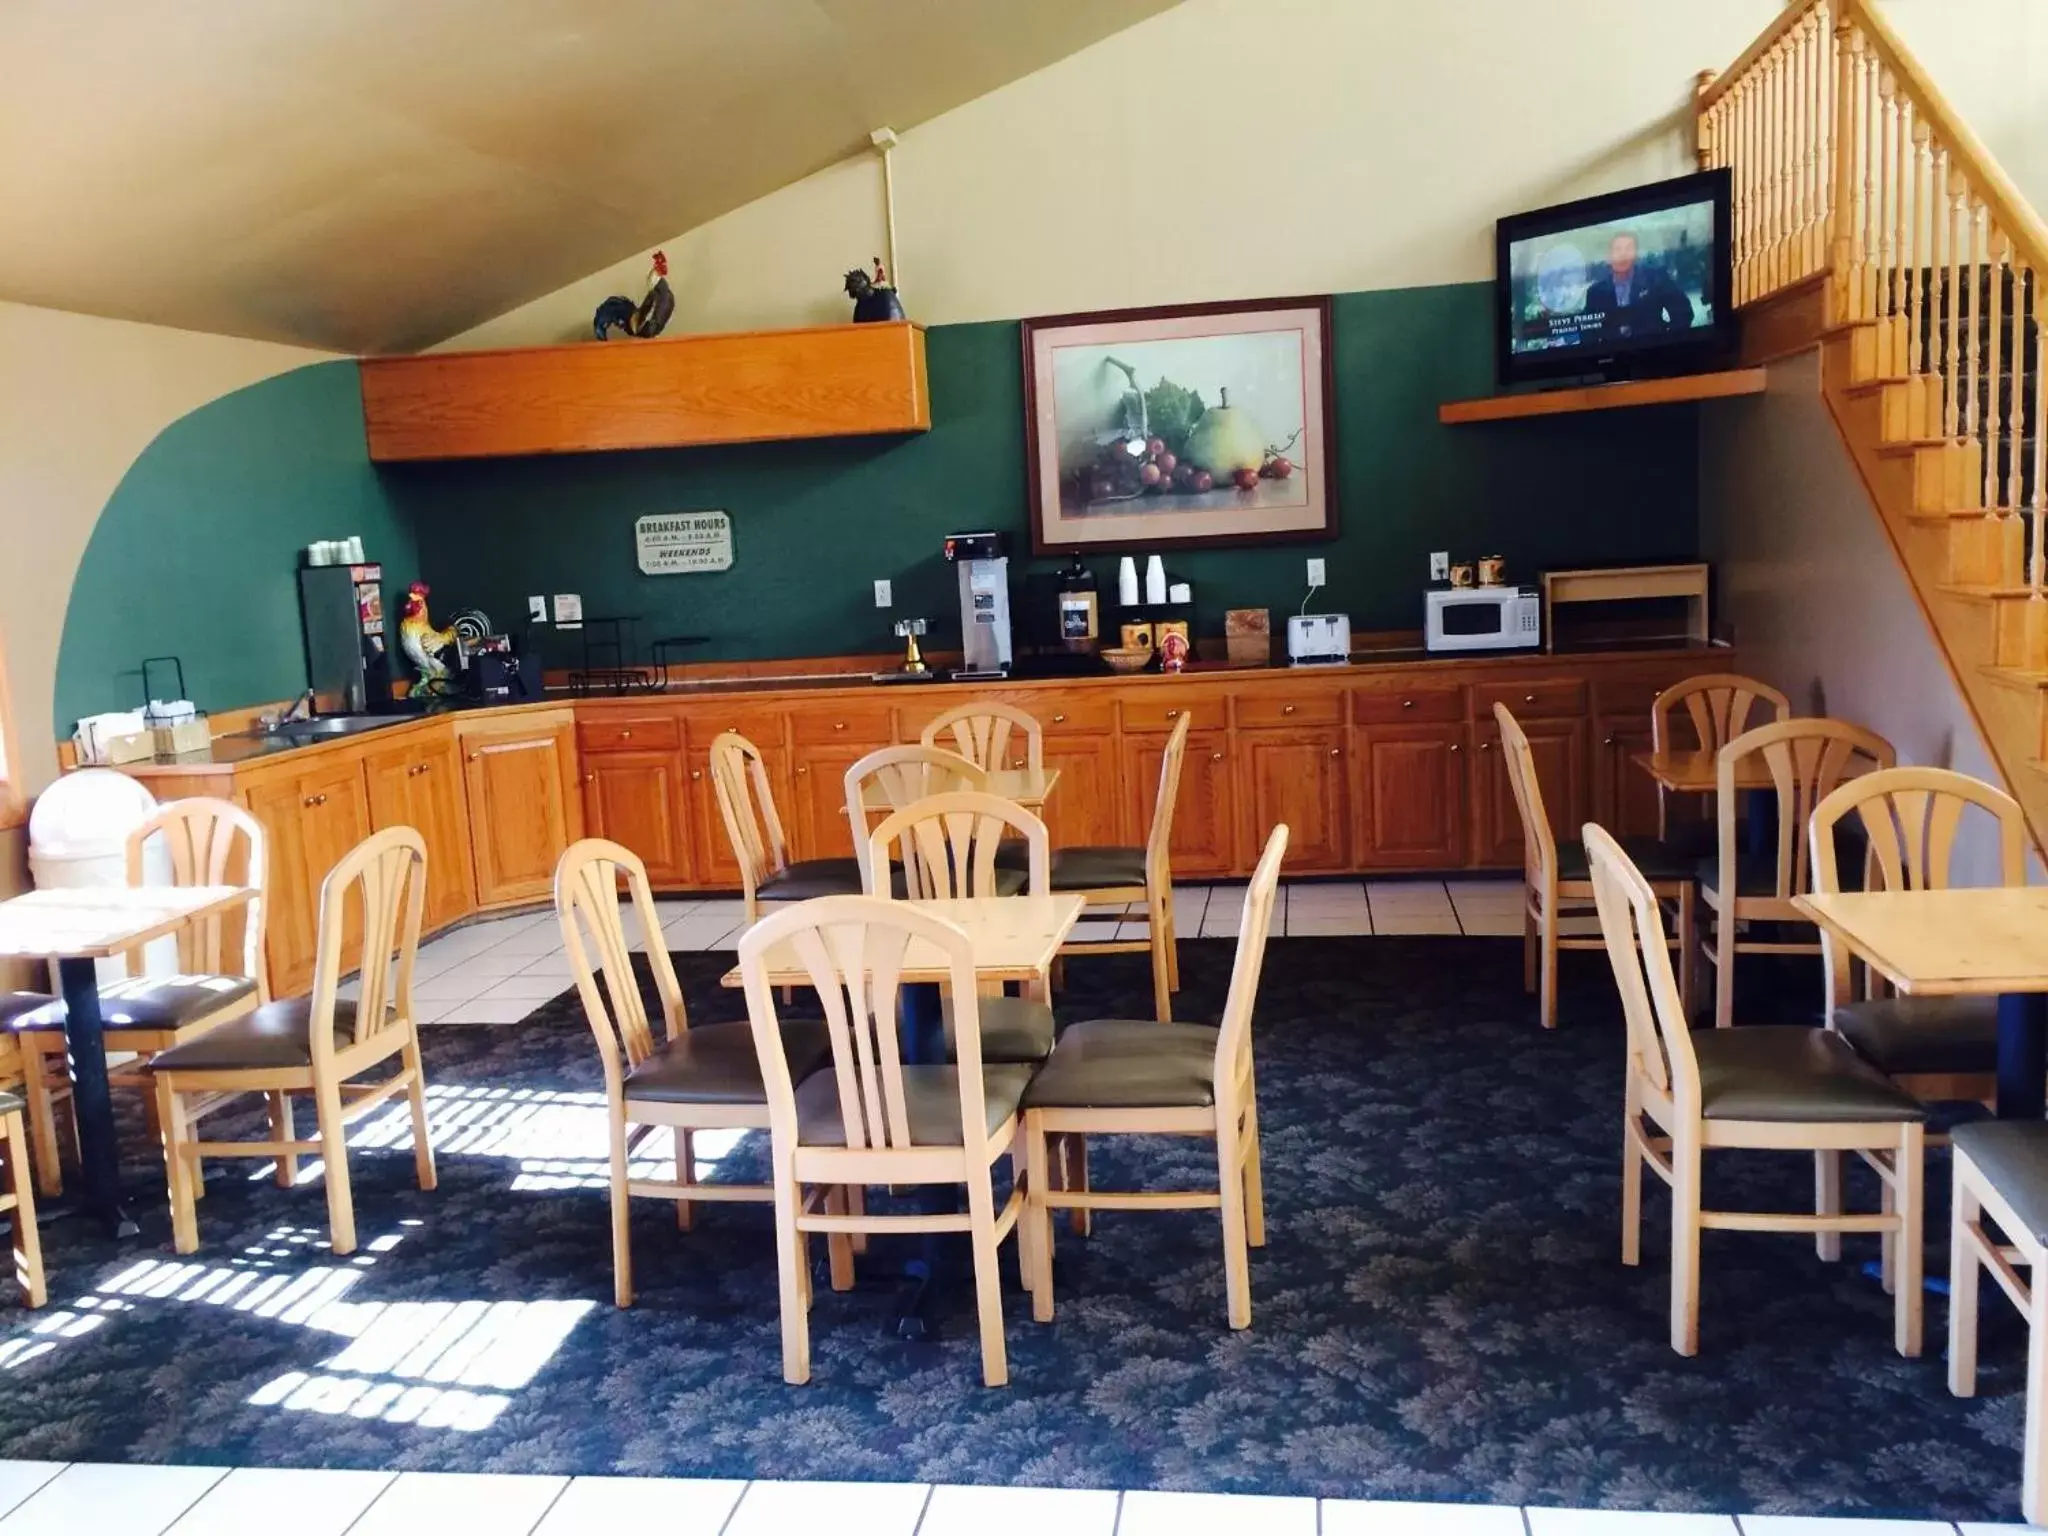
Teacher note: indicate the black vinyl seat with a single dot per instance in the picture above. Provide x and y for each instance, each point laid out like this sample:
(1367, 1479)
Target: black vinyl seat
(1128, 1064)
(808, 878)
(931, 1104)
(149, 1002)
(1092, 869)
(13, 1005)
(1903, 1036)
(2013, 1157)
(277, 1035)
(1795, 1074)
(1657, 860)
(1013, 1029)
(717, 1064)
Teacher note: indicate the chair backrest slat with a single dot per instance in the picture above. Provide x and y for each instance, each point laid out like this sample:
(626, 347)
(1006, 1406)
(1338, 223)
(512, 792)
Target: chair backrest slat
(1632, 926)
(1234, 1039)
(1807, 759)
(982, 731)
(746, 801)
(594, 935)
(1718, 705)
(386, 875)
(211, 842)
(1539, 842)
(1159, 840)
(905, 775)
(1910, 817)
(948, 844)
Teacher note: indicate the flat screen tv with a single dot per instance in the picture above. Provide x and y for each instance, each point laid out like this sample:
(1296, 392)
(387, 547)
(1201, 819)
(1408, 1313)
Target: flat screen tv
(1625, 285)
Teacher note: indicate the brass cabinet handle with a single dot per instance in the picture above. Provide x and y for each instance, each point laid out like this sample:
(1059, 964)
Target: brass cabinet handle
(1607, 741)
(1528, 698)
(312, 800)
(1286, 709)
(1456, 748)
(1336, 751)
(1215, 757)
(802, 769)
(476, 757)
(625, 735)
(838, 725)
(1059, 719)
(696, 773)
(1173, 714)
(1407, 703)
(1486, 746)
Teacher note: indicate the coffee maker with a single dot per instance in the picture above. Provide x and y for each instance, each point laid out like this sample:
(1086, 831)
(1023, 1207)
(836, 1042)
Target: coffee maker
(984, 605)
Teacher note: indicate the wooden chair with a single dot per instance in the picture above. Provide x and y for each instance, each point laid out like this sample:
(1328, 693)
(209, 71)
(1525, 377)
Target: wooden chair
(316, 1045)
(692, 1079)
(20, 1196)
(1719, 707)
(1556, 880)
(746, 800)
(220, 969)
(904, 775)
(1142, 1078)
(2001, 1172)
(1808, 760)
(868, 1118)
(983, 731)
(1776, 1087)
(1112, 876)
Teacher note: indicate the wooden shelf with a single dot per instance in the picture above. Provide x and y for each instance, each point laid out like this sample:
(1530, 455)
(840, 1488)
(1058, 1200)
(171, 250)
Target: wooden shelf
(1605, 397)
(682, 391)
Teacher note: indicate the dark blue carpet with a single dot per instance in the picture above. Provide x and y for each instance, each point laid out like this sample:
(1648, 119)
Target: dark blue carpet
(1440, 1314)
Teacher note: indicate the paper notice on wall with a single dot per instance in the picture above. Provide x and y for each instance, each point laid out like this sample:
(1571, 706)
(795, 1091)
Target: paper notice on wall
(676, 543)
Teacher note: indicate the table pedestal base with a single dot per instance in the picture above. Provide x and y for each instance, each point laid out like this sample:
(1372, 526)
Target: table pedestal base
(92, 1103)
(2022, 1055)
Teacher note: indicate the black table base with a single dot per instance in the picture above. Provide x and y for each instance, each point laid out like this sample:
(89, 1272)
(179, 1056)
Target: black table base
(2022, 1055)
(92, 1103)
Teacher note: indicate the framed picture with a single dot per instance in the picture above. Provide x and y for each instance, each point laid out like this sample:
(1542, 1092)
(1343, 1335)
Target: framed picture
(1186, 424)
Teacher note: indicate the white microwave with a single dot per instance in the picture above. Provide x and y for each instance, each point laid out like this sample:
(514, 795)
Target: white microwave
(1481, 618)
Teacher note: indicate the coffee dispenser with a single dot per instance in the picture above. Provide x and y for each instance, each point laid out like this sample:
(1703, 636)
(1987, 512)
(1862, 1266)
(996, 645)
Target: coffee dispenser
(984, 572)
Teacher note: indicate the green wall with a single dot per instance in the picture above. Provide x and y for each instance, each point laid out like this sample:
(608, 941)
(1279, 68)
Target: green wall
(814, 524)
(196, 552)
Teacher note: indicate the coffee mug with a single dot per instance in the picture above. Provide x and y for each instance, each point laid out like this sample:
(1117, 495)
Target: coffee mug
(1137, 637)
(1461, 575)
(1493, 570)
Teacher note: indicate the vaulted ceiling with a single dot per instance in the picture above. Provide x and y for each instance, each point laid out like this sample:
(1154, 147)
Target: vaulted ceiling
(377, 175)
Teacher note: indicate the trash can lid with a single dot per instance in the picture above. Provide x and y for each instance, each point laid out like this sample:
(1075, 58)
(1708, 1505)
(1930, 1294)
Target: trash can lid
(87, 814)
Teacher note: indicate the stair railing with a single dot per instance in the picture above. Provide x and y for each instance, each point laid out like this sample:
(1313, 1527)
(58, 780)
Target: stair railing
(1847, 160)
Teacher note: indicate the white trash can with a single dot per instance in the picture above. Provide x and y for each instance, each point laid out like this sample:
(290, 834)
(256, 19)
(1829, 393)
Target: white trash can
(78, 836)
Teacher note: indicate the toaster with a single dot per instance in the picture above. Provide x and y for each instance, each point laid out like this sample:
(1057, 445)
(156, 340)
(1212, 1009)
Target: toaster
(1318, 640)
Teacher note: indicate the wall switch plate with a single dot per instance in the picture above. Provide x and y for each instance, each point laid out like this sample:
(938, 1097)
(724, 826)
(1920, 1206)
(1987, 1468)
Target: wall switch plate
(1440, 565)
(1315, 573)
(537, 609)
(569, 609)
(883, 597)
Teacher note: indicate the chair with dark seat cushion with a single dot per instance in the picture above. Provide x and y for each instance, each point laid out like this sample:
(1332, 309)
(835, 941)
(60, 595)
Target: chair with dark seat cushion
(931, 1103)
(2001, 1176)
(746, 802)
(277, 1035)
(20, 1195)
(1012, 1028)
(14, 1004)
(1130, 1077)
(889, 779)
(1084, 868)
(159, 1004)
(1717, 707)
(1908, 1037)
(717, 1064)
(985, 732)
(808, 878)
(1764, 1087)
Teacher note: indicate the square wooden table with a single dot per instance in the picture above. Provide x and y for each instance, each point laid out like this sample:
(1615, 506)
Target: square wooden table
(1015, 938)
(1693, 771)
(76, 928)
(1971, 942)
(1029, 787)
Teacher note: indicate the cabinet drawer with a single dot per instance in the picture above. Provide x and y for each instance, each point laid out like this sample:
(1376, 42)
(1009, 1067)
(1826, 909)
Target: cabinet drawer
(873, 724)
(1436, 703)
(763, 727)
(1163, 712)
(1070, 715)
(629, 733)
(1270, 707)
(1531, 700)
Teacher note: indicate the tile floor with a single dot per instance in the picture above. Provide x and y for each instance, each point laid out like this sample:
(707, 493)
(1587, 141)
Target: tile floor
(49, 1497)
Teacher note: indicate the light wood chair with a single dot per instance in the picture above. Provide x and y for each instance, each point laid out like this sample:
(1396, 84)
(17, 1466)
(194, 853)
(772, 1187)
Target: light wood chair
(984, 732)
(2001, 1172)
(1808, 760)
(220, 967)
(1112, 876)
(746, 800)
(692, 1079)
(1556, 881)
(1774, 1087)
(869, 1118)
(904, 775)
(20, 1195)
(1719, 706)
(316, 1045)
(1143, 1078)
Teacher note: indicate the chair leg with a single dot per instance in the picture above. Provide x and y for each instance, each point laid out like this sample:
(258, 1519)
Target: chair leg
(28, 1242)
(622, 1219)
(790, 1262)
(1631, 1183)
(1038, 1172)
(1907, 1303)
(1827, 1201)
(280, 1104)
(2033, 1493)
(1254, 1176)
(1964, 1271)
(178, 1167)
(1237, 1285)
(1888, 1251)
(42, 1123)
(1532, 947)
(1162, 978)
(341, 1207)
(1685, 1245)
(1080, 1221)
(422, 1133)
(838, 1245)
(857, 1203)
(1688, 949)
(1724, 967)
(1172, 944)
(988, 1278)
(1547, 1003)
(686, 1173)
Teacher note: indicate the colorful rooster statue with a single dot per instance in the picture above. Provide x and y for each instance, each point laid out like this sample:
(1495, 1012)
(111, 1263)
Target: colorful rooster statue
(423, 643)
(619, 316)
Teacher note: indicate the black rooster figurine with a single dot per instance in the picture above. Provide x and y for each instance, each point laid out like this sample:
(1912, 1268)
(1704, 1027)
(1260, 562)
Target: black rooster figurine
(619, 315)
(873, 297)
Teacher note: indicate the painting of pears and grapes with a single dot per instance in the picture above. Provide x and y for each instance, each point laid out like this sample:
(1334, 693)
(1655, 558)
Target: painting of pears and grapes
(1180, 426)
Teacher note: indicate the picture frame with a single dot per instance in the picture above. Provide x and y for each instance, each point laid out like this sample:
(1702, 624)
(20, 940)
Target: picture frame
(1135, 442)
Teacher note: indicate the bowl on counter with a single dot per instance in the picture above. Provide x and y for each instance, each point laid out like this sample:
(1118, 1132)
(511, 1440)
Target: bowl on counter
(1127, 658)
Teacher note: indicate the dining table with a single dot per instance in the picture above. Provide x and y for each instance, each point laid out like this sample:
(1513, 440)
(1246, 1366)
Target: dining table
(1977, 941)
(1028, 787)
(77, 928)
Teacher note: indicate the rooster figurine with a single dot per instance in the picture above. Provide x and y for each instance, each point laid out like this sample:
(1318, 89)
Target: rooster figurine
(423, 643)
(619, 314)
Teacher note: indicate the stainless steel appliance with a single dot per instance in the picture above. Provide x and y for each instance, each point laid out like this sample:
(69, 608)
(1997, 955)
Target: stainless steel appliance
(1482, 618)
(984, 605)
(1318, 640)
(342, 607)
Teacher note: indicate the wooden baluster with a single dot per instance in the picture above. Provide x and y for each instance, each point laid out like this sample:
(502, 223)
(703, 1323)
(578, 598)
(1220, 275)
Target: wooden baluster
(1842, 216)
(2038, 571)
(1952, 245)
(1925, 291)
(1703, 122)
(1799, 144)
(1887, 211)
(1810, 251)
(1972, 320)
(1866, 250)
(2015, 406)
(1908, 278)
(1745, 173)
(1994, 347)
(1824, 72)
(1780, 156)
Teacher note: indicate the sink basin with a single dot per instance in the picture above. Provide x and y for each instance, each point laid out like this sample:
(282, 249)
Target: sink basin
(327, 727)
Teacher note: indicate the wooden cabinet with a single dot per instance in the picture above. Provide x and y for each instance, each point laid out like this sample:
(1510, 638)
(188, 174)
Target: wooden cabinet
(418, 783)
(518, 771)
(717, 867)
(1298, 777)
(1205, 815)
(637, 800)
(1624, 796)
(1558, 749)
(1408, 796)
(312, 819)
(814, 816)
(1086, 804)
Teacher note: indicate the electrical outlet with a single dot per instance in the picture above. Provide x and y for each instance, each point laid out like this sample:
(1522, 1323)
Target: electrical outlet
(1440, 565)
(1315, 573)
(883, 599)
(537, 609)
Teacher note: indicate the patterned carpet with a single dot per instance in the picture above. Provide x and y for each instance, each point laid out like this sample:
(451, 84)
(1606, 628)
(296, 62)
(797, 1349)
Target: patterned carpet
(1440, 1314)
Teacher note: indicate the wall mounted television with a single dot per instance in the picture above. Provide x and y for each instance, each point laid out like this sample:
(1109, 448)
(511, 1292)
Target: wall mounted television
(1629, 284)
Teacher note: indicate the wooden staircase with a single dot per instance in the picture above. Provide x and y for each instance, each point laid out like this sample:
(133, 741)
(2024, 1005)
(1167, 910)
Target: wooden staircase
(1871, 223)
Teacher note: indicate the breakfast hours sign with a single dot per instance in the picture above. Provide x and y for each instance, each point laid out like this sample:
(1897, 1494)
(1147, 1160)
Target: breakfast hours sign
(671, 543)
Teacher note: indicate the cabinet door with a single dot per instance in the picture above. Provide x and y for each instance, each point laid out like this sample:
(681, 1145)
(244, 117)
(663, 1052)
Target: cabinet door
(1205, 815)
(1558, 748)
(291, 896)
(1297, 777)
(1082, 811)
(418, 785)
(636, 799)
(1624, 796)
(1408, 798)
(518, 811)
(814, 817)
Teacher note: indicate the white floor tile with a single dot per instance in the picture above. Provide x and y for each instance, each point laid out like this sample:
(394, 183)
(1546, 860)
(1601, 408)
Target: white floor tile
(1406, 922)
(1190, 902)
(964, 1511)
(1485, 923)
(501, 960)
(450, 986)
(1133, 930)
(1312, 925)
(1351, 893)
(257, 1501)
(557, 965)
(667, 910)
(700, 932)
(109, 1500)
(1625, 1522)
(488, 1010)
(845, 1509)
(1808, 1525)
(418, 1503)
(1093, 930)
(534, 943)
(1215, 1514)
(532, 989)
(673, 1506)
(1497, 885)
(19, 1479)
(1372, 1517)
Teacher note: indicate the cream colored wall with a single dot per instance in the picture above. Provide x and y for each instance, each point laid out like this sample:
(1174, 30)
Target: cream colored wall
(1990, 59)
(1222, 149)
(80, 397)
